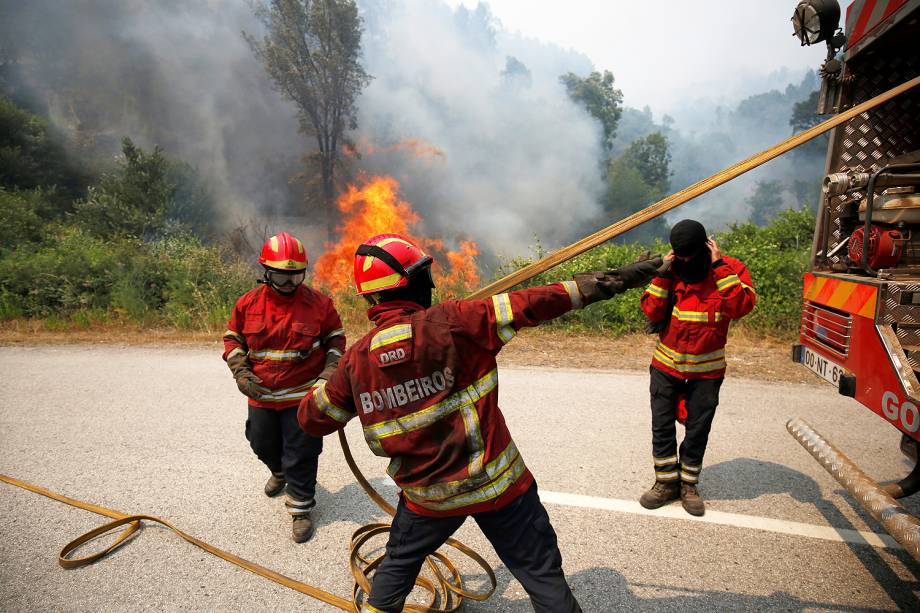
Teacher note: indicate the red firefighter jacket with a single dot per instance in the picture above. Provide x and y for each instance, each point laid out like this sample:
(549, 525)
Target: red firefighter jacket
(693, 344)
(424, 385)
(287, 339)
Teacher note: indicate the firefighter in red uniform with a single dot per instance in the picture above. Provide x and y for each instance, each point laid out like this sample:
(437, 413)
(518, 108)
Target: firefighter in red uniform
(282, 337)
(424, 385)
(690, 307)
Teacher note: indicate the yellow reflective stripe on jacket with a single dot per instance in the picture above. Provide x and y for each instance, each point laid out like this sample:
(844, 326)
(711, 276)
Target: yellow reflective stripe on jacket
(657, 291)
(502, 473)
(366, 608)
(438, 492)
(235, 336)
(336, 332)
(236, 351)
(393, 334)
(504, 316)
(574, 295)
(281, 354)
(689, 357)
(726, 282)
(433, 413)
(474, 442)
(701, 316)
(716, 364)
(327, 407)
(289, 393)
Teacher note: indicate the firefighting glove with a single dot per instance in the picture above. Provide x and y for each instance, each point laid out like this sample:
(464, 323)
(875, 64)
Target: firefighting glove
(639, 273)
(332, 362)
(595, 286)
(246, 381)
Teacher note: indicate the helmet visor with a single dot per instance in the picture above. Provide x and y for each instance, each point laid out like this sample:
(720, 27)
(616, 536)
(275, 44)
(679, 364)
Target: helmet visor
(285, 279)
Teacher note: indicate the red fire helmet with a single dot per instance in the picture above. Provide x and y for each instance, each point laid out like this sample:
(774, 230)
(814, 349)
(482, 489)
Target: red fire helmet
(283, 252)
(387, 261)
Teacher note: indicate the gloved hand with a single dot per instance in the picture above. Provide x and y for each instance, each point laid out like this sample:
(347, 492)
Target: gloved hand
(332, 362)
(639, 273)
(595, 286)
(246, 381)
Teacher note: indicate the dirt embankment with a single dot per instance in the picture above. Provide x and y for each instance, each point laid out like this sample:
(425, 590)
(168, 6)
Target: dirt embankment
(749, 356)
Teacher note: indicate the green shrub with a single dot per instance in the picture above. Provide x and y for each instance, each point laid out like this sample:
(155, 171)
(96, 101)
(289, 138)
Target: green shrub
(19, 218)
(67, 272)
(148, 195)
(72, 275)
(200, 284)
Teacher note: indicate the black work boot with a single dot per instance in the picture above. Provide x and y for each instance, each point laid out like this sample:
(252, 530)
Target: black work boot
(274, 485)
(691, 500)
(661, 494)
(302, 529)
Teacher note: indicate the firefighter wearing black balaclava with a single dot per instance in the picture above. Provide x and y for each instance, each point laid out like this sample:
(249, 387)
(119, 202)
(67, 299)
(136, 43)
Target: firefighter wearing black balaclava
(690, 307)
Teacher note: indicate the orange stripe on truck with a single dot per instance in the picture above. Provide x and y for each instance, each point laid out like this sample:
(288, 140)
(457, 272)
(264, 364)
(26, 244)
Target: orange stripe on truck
(856, 298)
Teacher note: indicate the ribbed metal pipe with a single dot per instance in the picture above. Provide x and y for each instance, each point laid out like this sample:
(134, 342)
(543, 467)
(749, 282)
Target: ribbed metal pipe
(904, 527)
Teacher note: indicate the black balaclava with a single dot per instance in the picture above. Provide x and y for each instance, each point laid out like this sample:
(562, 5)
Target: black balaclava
(418, 290)
(688, 239)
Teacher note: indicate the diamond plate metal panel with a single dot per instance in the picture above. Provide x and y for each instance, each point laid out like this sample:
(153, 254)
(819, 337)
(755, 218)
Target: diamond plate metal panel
(908, 335)
(913, 359)
(867, 141)
(891, 311)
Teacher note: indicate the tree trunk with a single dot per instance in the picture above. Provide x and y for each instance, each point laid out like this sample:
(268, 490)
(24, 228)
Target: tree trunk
(329, 205)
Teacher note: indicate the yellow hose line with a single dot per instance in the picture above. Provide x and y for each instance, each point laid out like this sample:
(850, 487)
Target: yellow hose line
(688, 193)
(447, 590)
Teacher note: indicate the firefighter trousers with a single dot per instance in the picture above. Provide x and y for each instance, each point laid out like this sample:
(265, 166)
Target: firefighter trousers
(702, 398)
(276, 438)
(522, 537)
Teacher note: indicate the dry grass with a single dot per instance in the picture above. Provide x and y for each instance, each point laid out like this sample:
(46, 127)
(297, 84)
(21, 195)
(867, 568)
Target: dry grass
(749, 355)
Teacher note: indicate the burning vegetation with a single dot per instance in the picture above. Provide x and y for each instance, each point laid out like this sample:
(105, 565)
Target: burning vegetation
(412, 146)
(373, 206)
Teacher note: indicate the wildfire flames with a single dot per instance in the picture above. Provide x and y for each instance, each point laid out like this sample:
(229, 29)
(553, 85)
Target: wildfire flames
(374, 207)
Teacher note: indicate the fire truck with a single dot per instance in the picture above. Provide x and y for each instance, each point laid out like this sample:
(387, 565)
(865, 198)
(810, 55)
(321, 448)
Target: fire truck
(860, 320)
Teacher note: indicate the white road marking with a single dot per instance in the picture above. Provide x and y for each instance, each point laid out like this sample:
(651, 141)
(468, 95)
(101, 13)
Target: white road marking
(675, 511)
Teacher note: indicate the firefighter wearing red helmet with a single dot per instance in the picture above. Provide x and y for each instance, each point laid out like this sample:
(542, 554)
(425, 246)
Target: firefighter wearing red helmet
(424, 385)
(281, 338)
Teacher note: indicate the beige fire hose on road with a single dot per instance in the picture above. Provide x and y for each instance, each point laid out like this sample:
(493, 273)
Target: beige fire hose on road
(448, 591)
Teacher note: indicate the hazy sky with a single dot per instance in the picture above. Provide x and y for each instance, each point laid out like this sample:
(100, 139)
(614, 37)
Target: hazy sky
(665, 51)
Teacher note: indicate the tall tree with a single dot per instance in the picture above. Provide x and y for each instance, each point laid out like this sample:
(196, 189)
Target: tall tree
(652, 158)
(312, 52)
(636, 179)
(805, 115)
(597, 94)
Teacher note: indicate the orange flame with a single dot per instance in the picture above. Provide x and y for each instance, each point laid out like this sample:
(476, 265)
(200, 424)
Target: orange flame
(412, 146)
(375, 208)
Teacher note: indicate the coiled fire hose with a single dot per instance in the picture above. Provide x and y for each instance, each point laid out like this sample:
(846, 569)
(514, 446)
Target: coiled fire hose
(447, 590)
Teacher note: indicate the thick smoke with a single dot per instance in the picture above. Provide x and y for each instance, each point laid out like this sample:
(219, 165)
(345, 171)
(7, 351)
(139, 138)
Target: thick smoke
(520, 159)
(706, 137)
(174, 73)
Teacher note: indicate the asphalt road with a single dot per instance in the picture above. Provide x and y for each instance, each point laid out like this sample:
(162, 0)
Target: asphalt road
(160, 431)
